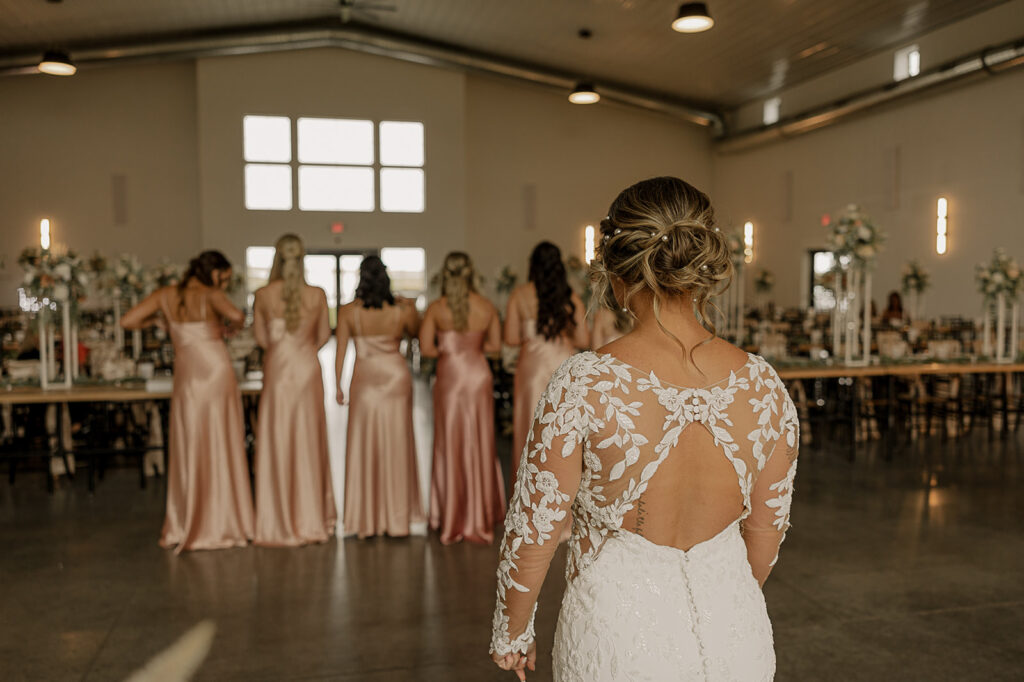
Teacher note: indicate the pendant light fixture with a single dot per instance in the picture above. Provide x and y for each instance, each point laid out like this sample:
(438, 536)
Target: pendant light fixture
(693, 17)
(57, 63)
(584, 93)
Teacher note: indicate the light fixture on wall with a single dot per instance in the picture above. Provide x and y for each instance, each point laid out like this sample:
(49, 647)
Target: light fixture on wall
(693, 17)
(44, 234)
(584, 93)
(941, 226)
(57, 63)
(748, 242)
(588, 244)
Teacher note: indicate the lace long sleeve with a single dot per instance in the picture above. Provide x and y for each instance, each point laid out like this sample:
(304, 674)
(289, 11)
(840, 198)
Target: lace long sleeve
(765, 528)
(539, 512)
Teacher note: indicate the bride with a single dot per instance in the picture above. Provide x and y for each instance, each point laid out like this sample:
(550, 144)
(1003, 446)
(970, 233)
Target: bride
(671, 453)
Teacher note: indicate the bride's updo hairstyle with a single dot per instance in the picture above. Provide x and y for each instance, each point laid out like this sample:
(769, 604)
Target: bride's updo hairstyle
(289, 254)
(458, 279)
(660, 236)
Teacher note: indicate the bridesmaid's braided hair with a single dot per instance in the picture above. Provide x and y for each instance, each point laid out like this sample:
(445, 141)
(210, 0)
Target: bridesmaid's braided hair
(660, 235)
(374, 288)
(458, 279)
(289, 267)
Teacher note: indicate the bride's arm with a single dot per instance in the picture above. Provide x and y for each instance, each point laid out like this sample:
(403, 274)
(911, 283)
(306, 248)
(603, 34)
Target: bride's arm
(765, 528)
(549, 476)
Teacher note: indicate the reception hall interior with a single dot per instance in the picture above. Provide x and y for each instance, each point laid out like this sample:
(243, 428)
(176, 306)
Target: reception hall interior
(175, 505)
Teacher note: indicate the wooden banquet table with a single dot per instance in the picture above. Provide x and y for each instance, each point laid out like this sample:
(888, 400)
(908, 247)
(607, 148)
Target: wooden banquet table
(131, 392)
(823, 371)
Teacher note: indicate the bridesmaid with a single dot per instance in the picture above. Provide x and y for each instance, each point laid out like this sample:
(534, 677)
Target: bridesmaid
(546, 319)
(209, 503)
(294, 497)
(382, 493)
(467, 496)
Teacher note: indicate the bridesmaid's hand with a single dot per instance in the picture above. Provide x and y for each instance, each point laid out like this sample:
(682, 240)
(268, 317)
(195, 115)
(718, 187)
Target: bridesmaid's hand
(341, 396)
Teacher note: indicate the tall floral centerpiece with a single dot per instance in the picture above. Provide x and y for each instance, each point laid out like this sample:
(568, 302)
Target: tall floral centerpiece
(1000, 282)
(56, 280)
(856, 242)
(123, 279)
(914, 281)
(735, 294)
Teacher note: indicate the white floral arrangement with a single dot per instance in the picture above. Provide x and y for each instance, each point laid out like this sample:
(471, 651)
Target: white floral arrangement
(856, 236)
(125, 278)
(163, 275)
(914, 278)
(764, 282)
(1001, 275)
(51, 276)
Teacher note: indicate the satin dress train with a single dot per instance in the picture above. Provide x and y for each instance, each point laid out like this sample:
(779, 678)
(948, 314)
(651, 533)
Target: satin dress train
(467, 494)
(209, 501)
(382, 493)
(294, 494)
(539, 357)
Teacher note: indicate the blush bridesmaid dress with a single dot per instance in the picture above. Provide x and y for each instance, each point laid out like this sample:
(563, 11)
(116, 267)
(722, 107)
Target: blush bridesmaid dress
(382, 494)
(467, 494)
(539, 357)
(209, 501)
(294, 494)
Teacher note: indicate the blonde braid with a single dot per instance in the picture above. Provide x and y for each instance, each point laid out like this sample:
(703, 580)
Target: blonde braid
(457, 281)
(290, 268)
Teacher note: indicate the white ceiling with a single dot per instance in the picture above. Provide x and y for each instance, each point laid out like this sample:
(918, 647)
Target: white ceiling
(756, 46)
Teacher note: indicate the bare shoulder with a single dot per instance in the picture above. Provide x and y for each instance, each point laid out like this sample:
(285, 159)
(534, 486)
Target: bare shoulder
(482, 303)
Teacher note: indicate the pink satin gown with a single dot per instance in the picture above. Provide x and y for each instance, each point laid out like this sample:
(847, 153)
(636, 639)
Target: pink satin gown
(382, 494)
(294, 496)
(209, 502)
(467, 495)
(538, 360)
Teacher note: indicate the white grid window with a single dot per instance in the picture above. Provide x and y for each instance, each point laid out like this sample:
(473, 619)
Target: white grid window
(337, 167)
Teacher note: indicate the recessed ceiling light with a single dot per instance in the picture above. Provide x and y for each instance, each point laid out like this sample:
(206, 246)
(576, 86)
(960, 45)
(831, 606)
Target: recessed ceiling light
(57, 64)
(693, 17)
(584, 93)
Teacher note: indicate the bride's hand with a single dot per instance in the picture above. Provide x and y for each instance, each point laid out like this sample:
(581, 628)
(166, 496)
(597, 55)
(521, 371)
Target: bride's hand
(518, 663)
(341, 397)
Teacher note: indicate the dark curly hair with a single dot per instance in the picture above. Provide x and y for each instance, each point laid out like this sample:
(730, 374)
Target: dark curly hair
(202, 268)
(555, 308)
(374, 288)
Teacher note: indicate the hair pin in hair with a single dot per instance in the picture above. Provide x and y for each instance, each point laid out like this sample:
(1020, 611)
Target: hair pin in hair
(664, 237)
(704, 268)
(618, 230)
(606, 237)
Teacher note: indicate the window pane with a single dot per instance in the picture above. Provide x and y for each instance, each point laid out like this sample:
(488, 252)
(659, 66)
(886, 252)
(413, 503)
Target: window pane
(267, 138)
(408, 270)
(401, 143)
(401, 190)
(335, 140)
(268, 187)
(335, 188)
(320, 272)
(349, 277)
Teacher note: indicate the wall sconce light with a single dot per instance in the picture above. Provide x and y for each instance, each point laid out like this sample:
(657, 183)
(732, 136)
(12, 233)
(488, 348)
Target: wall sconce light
(44, 234)
(748, 242)
(941, 226)
(588, 244)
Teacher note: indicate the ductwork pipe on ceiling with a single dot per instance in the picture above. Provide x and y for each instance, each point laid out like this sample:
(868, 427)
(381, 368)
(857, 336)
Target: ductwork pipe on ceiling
(361, 39)
(989, 62)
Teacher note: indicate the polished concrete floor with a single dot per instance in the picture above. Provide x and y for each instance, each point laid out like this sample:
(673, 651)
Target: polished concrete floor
(911, 569)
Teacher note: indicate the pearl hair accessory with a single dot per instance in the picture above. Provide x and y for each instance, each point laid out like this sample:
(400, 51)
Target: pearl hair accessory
(618, 230)
(664, 237)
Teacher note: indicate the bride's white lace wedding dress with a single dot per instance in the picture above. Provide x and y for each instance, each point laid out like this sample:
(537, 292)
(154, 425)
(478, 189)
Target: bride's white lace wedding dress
(612, 453)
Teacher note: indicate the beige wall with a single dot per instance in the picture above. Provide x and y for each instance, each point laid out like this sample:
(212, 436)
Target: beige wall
(964, 144)
(329, 83)
(576, 157)
(62, 140)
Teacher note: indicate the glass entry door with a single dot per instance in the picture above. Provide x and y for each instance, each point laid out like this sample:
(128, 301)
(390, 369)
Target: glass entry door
(337, 273)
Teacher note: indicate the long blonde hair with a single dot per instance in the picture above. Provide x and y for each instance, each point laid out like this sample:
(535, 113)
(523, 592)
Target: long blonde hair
(660, 236)
(289, 268)
(458, 279)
